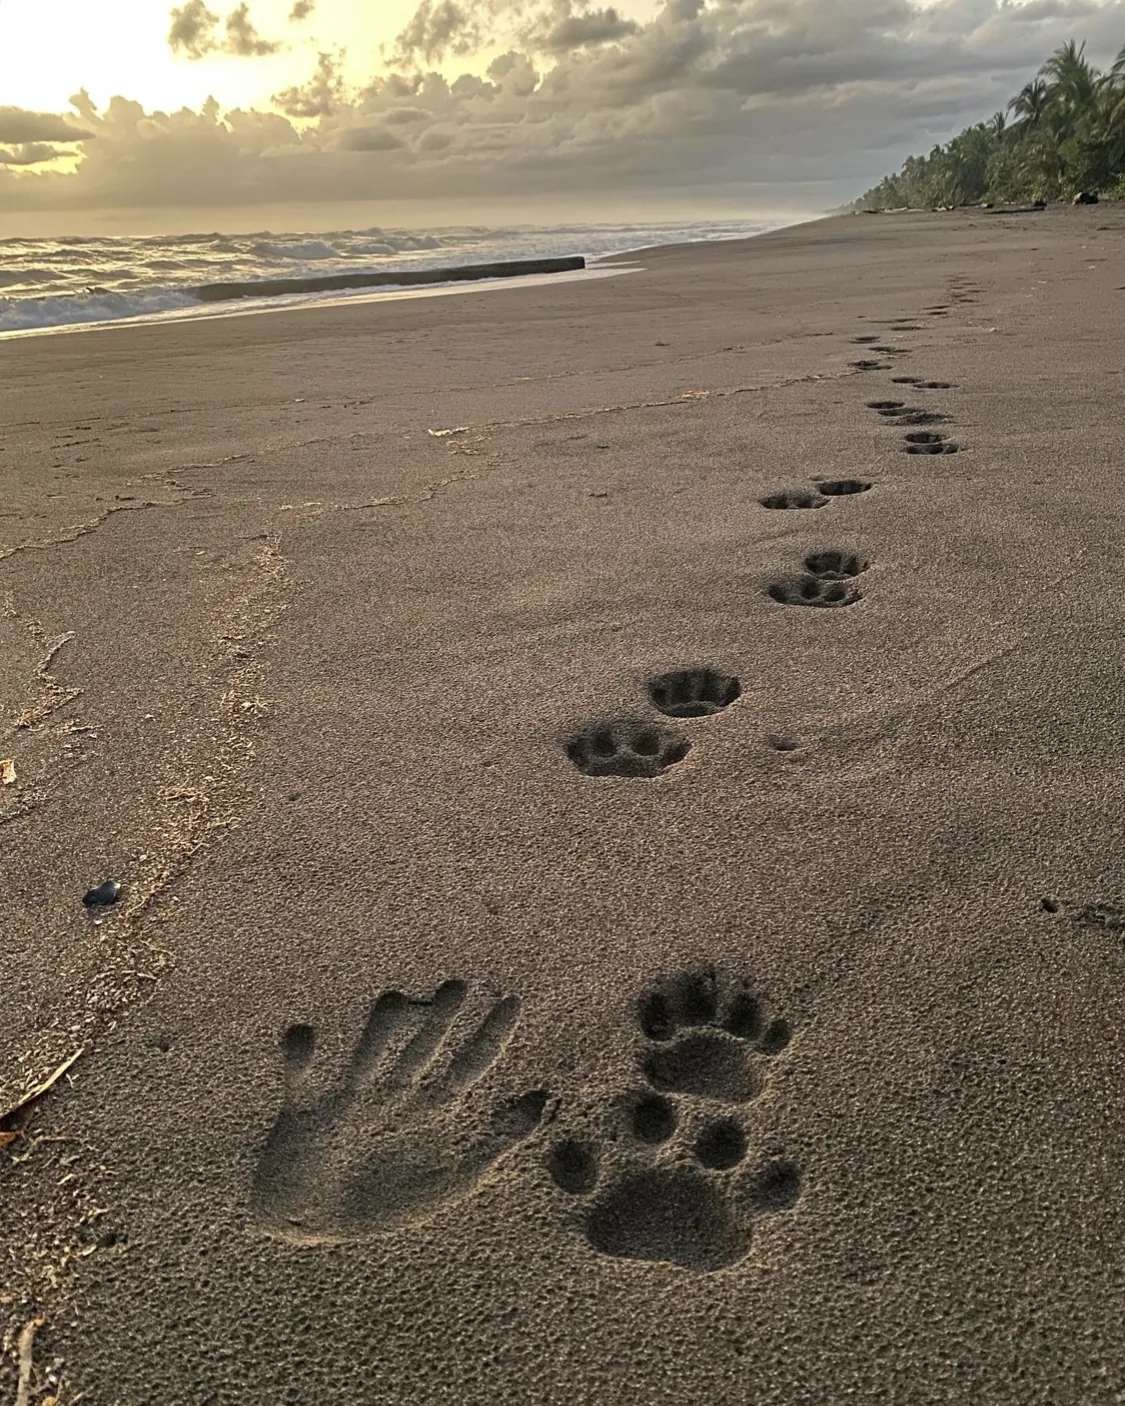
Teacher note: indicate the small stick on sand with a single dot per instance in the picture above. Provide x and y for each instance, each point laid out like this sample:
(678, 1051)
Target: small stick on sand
(40, 1089)
(26, 1347)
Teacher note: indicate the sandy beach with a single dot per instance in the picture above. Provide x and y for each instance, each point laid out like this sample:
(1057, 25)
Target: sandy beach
(617, 793)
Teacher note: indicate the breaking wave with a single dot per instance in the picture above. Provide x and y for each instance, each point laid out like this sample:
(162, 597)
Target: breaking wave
(74, 281)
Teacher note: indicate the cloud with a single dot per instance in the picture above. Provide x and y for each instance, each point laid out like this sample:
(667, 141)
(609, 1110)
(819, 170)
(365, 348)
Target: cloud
(301, 11)
(194, 27)
(320, 96)
(18, 126)
(369, 139)
(562, 30)
(706, 97)
(439, 28)
(243, 39)
(29, 154)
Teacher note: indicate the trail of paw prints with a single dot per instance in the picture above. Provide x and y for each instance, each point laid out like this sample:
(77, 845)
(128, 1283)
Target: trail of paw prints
(903, 414)
(822, 491)
(962, 290)
(917, 441)
(395, 1137)
(670, 1180)
(639, 748)
(828, 581)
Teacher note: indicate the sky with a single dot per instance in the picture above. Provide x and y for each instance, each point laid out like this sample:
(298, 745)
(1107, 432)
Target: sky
(141, 115)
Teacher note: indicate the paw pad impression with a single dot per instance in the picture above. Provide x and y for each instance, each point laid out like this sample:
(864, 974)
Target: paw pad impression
(658, 1193)
(627, 748)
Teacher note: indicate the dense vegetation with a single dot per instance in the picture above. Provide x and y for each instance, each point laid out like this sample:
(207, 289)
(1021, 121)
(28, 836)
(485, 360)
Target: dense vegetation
(1062, 134)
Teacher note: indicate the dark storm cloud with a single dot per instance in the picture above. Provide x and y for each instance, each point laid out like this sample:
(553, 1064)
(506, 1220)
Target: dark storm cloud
(18, 126)
(722, 96)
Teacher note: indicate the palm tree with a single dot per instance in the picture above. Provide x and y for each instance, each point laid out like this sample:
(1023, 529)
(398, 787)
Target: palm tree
(1073, 84)
(1031, 103)
(1067, 133)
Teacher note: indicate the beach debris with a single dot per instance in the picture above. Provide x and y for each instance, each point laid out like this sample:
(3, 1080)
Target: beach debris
(25, 1351)
(103, 895)
(33, 1095)
(1085, 197)
(444, 434)
(7, 772)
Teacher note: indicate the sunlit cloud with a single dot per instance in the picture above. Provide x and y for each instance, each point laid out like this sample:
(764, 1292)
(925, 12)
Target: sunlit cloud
(194, 33)
(568, 97)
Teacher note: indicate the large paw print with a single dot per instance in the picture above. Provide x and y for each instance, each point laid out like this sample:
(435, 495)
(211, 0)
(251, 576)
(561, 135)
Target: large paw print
(627, 748)
(699, 1043)
(684, 1192)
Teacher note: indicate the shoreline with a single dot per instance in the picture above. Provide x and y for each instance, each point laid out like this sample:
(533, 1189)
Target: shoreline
(413, 283)
(209, 312)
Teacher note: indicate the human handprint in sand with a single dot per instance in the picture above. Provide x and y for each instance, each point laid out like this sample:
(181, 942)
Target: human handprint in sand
(396, 1138)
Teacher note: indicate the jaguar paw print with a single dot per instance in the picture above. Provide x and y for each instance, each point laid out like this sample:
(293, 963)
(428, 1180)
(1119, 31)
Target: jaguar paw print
(676, 1183)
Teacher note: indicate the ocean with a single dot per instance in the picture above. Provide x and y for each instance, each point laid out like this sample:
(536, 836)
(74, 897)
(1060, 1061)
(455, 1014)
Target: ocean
(55, 284)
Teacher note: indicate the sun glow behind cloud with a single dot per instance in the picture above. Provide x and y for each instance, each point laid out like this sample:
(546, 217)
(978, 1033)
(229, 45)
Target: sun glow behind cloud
(51, 48)
(576, 102)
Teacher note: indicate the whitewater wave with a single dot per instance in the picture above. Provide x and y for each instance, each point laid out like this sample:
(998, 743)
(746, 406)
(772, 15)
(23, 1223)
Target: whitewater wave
(75, 280)
(74, 309)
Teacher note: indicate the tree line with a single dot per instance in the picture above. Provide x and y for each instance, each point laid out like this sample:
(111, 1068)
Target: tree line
(1062, 134)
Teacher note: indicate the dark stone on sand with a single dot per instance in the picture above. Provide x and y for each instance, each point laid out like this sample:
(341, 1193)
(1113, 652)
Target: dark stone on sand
(1085, 197)
(103, 895)
(385, 278)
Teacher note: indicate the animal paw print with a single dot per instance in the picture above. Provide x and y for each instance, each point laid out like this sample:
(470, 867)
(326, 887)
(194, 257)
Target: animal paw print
(903, 414)
(699, 1044)
(827, 582)
(633, 748)
(627, 748)
(397, 1137)
(683, 1192)
(929, 442)
(693, 693)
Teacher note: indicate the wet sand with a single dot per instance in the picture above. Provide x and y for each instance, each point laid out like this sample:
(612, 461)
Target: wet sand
(586, 934)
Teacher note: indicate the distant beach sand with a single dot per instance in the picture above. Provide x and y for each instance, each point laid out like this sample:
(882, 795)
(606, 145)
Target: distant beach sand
(616, 788)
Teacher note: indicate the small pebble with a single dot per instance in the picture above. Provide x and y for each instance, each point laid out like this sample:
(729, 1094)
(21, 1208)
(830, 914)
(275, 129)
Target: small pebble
(100, 897)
